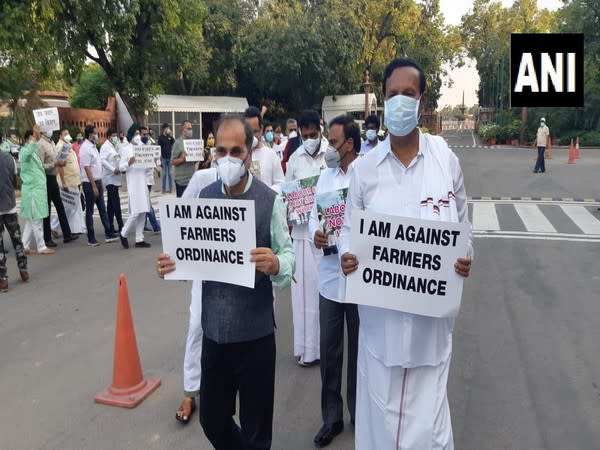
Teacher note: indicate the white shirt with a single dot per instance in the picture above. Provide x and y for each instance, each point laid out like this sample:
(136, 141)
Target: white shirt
(266, 166)
(302, 165)
(110, 161)
(89, 156)
(199, 181)
(394, 337)
(329, 268)
(279, 148)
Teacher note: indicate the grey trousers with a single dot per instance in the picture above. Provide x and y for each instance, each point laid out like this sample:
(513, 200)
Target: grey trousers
(331, 319)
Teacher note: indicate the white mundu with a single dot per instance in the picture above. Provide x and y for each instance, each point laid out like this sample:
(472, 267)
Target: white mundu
(193, 344)
(137, 193)
(403, 359)
(305, 291)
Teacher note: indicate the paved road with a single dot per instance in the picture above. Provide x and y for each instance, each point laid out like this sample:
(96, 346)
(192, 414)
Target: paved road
(525, 371)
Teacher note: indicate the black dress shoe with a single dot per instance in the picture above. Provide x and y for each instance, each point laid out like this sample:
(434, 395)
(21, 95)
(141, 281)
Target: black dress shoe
(50, 243)
(327, 433)
(70, 239)
(142, 244)
(124, 242)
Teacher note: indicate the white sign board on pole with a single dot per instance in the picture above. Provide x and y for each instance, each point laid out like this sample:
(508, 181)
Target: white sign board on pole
(146, 155)
(194, 149)
(406, 264)
(209, 239)
(47, 119)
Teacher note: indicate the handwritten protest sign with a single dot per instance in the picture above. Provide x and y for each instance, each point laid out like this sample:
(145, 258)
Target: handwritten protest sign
(299, 196)
(209, 239)
(194, 149)
(406, 264)
(47, 119)
(331, 207)
(146, 155)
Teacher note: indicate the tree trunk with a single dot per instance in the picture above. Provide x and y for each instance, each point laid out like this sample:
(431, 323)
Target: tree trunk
(523, 123)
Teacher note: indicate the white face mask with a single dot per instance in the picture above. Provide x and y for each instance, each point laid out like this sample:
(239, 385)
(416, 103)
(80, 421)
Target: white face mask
(401, 114)
(68, 138)
(292, 134)
(254, 142)
(231, 170)
(371, 135)
(311, 146)
(332, 157)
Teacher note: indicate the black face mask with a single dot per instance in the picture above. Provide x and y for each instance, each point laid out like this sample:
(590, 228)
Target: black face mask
(145, 140)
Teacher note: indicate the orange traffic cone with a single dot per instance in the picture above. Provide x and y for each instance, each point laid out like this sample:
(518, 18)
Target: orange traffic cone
(571, 153)
(549, 148)
(577, 154)
(129, 387)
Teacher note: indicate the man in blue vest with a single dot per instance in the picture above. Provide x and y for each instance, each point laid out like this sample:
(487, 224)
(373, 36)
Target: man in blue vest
(238, 347)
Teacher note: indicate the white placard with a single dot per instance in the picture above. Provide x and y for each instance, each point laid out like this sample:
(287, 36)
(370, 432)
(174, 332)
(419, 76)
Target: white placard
(210, 239)
(406, 264)
(194, 149)
(47, 119)
(70, 196)
(146, 155)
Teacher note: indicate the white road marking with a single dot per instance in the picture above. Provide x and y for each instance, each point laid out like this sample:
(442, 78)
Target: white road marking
(583, 218)
(485, 217)
(533, 218)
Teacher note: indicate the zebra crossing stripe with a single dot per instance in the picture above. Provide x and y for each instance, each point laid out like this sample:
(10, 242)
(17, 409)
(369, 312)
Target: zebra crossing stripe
(533, 218)
(583, 218)
(485, 217)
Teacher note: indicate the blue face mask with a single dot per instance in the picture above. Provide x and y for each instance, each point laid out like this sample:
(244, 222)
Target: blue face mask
(371, 135)
(401, 114)
(269, 136)
(145, 140)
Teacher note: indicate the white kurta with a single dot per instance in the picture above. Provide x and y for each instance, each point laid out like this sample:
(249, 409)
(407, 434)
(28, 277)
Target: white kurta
(137, 193)
(137, 189)
(110, 161)
(266, 166)
(305, 291)
(392, 342)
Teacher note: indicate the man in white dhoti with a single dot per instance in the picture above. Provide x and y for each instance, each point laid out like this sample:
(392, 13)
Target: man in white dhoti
(192, 368)
(137, 193)
(69, 180)
(403, 359)
(307, 161)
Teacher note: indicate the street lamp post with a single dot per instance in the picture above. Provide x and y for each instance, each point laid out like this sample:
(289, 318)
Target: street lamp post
(367, 85)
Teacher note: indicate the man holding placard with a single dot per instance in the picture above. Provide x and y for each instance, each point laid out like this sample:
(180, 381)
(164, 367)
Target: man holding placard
(306, 162)
(238, 347)
(404, 357)
(332, 188)
(184, 169)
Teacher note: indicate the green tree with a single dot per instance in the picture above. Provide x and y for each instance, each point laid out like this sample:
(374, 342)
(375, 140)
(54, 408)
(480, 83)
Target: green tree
(93, 89)
(130, 40)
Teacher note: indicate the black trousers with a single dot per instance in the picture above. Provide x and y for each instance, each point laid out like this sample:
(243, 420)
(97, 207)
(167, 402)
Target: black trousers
(113, 207)
(331, 321)
(247, 368)
(53, 190)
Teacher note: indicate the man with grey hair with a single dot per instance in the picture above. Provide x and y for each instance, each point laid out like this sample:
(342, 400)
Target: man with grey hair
(238, 346)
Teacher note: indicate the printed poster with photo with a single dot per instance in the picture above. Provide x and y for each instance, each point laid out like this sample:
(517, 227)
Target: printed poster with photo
(299, 196)
(331, 207)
